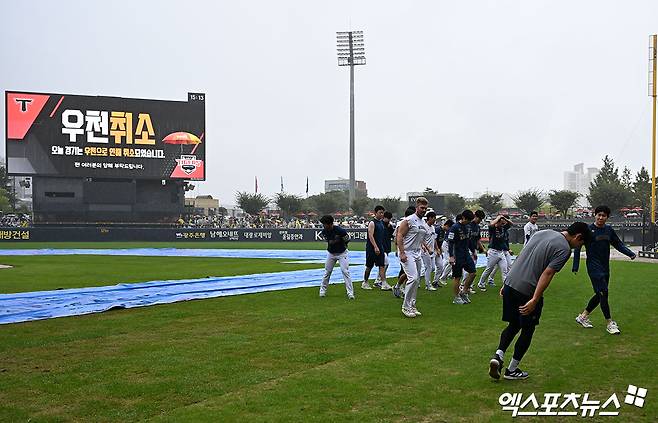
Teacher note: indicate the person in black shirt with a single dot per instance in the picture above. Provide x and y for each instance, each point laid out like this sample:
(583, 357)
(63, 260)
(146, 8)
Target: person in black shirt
(388, 236)
(375, 247)
(337, 239)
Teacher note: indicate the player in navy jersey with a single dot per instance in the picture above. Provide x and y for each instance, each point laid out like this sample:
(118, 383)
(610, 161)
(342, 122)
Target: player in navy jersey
(475, 240)
(461, 252)
(390, 229)
(375, 247)
(337, 239)
(598, 267)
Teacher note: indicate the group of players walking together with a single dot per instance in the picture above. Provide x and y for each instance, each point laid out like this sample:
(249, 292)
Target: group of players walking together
(451, 249)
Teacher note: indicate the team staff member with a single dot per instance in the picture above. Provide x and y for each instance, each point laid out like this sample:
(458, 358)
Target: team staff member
(337, 239)
(543, 256)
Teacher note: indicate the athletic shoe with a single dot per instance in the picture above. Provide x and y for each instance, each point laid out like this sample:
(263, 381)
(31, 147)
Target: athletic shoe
(377, 284)
(350, 297)
(612, 328)
(408, 313)
(365, 285)
(495, 365)
(584, 321)
(396, 291)
(491, 282)
(458, 300)
(385, 286)
(517, 374)
(323, 292)
(482, 287)
(465, 298)
(430, 288)
(471, 291)
(416, 312)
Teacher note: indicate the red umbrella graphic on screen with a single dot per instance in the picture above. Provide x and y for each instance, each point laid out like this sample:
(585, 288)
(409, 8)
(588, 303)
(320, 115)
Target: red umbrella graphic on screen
(183, 138)
(187, 166)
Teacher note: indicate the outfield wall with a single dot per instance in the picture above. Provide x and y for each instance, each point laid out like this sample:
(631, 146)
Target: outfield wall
(127, 234)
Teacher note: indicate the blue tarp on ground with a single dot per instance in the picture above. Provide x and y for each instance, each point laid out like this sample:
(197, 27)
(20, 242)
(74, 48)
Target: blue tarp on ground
(39, 305)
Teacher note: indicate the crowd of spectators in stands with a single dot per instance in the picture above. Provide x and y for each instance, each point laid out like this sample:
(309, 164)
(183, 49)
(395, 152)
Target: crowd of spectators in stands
(21, 220)
(266, 222)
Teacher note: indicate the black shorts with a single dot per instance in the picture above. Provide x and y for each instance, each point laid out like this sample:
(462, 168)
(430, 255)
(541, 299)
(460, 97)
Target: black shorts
(461, 265)
(373, 259)
(512, 300)
(600, 282)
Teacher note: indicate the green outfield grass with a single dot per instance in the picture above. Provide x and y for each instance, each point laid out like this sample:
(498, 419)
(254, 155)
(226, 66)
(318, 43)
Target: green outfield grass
(291, 356)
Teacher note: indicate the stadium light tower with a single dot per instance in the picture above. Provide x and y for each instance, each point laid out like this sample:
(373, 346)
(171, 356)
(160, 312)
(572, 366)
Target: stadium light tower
(351, 52)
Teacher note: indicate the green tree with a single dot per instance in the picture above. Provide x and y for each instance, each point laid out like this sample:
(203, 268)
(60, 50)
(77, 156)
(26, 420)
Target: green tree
(607, 188)
(530, 200)
(491, 203)
(5, 205)
(642, 190)
(360, 205)
(5, 184)
(289, 204)
(392, 204)
(327, 203)
(251, 203)
(455, 204)
(626, 179)
(563, 200)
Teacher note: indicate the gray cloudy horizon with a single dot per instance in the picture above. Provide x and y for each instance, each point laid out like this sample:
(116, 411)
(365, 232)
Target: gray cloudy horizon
(459, 96)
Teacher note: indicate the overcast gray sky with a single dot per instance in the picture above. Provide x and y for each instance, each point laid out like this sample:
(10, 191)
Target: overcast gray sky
(459, 96)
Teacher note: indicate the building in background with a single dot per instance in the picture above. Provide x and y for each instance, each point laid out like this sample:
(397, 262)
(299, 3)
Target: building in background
(202, 204)
(342, 184)
(579, 179)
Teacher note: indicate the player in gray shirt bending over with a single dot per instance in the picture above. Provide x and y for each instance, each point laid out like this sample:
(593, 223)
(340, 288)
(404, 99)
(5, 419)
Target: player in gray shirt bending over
(542, 257)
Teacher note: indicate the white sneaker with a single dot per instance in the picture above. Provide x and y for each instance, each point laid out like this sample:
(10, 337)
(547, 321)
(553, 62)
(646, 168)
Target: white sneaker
(365, 285)
(584, 321)
(416, 312)
(443, 283)
(323, 292)
(408, 313)
(430, 288)
(386, 286)
(612, 328)
(471, 291)
(350, 296)
(458, 300)
(483, 288)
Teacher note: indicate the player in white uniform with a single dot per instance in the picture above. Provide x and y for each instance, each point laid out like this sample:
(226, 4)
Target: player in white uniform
(429, 250)
(411, 233)
(498, 255)
(530, 228)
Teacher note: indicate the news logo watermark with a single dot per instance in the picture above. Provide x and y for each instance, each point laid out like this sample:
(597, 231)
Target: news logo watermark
(571, 404)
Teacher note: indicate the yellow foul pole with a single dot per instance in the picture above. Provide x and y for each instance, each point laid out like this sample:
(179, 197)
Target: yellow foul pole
(652, 93)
